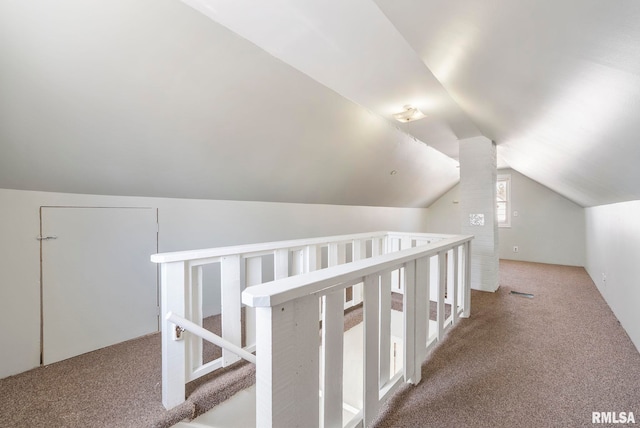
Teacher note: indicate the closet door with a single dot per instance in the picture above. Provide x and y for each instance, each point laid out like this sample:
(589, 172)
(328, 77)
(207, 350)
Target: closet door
(99, 287)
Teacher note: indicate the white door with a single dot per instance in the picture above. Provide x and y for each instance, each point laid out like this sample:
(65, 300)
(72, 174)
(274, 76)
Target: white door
(98, 285)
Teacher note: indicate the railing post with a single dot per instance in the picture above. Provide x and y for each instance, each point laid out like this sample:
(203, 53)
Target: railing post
(230, 296)
(287, 381)
(173, 290)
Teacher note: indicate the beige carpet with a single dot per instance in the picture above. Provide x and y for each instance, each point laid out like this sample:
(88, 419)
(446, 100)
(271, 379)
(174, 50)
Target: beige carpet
(118, 386)
(548, 361)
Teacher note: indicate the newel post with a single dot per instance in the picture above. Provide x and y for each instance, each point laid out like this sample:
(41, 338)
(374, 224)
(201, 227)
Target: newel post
(287, 382)
(173, 291)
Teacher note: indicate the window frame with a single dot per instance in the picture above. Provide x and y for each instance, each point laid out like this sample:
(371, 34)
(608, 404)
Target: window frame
(506, 178)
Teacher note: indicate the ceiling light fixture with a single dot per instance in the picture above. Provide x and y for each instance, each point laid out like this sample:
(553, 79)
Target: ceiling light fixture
(409, 114)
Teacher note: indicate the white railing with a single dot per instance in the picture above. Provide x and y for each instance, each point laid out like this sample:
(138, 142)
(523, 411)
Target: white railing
(291, 374)
(245, 267)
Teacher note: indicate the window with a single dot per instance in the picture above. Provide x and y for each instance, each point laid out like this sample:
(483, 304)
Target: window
(503, 200)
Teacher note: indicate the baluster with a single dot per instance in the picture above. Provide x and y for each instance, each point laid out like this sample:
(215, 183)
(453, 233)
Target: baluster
(231, 305)
(312, 261)
(359, 253)
(396, 278)
(332, 358)
(403, 243)
(385, 327)
(441, 289)
(450, 278)
(460, 250)
(466, 300)
(434, 278)
(371, 311)
(332, 254)
(342, 253)
(297, 263)
(281, 264)
(382, 246)
(409, 305)
(422, 315)
(454, 296)
(194, 314)
(253, 277)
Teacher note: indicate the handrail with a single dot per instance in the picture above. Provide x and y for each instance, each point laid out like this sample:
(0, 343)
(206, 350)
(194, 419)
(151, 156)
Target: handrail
(290, 288)
(209, 336)
(206, 253)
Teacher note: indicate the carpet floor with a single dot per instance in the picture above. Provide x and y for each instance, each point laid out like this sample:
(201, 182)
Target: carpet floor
(546, 361)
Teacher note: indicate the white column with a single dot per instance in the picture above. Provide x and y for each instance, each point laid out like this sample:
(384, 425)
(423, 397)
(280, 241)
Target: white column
(478, 209)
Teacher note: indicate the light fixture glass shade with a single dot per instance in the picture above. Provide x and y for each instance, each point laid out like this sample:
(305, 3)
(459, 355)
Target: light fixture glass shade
(409, 114)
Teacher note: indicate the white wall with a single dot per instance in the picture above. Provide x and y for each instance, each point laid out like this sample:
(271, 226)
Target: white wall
(184, 224)
(444, 214)
(613, 250)
(548, 229)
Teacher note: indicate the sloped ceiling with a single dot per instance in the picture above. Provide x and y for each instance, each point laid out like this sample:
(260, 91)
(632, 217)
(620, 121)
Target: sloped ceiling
(292, 100)
(556, 84)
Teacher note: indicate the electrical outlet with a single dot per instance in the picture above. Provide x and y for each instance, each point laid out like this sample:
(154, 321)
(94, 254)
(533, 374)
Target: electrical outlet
(604, 278)
(515, 249)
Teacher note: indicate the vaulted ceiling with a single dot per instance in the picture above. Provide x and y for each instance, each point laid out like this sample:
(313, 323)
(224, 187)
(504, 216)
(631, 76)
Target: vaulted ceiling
(292, 100)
